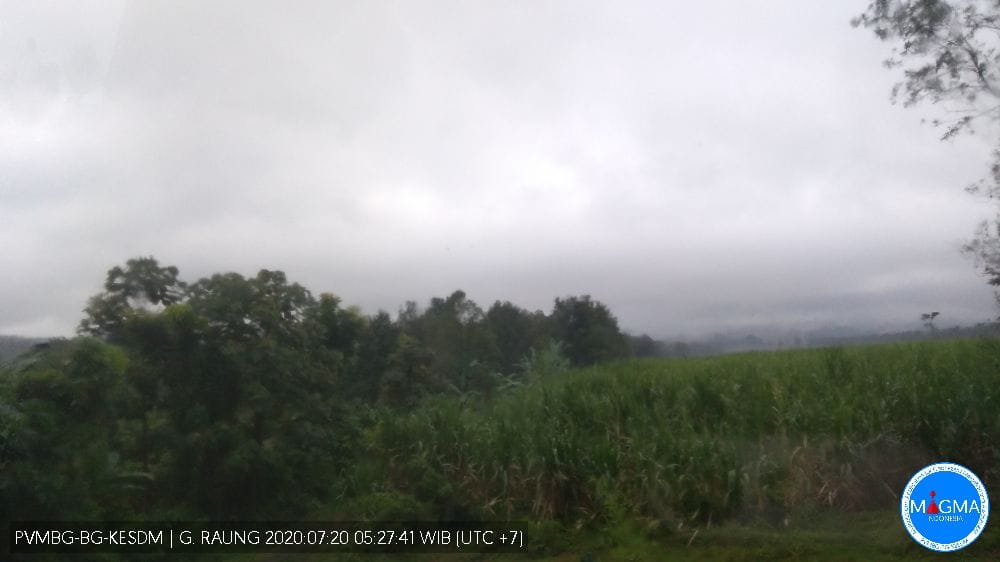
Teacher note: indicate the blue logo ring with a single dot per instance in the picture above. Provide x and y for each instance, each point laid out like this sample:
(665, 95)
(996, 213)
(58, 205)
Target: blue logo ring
(951, 522)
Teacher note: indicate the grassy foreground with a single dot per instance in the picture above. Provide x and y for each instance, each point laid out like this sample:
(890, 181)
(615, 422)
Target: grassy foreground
(791, 455)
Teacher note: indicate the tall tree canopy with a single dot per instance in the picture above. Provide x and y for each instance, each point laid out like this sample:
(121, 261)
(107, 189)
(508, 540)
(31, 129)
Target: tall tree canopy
(140, 284)
(239, 397)
(588, 329)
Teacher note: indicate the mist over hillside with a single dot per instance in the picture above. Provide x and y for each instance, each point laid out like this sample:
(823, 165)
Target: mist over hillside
(12, 346)
(720, 343)
(776, 338)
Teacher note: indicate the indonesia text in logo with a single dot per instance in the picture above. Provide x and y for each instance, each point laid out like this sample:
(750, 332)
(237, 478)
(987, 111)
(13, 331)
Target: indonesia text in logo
(945, 507)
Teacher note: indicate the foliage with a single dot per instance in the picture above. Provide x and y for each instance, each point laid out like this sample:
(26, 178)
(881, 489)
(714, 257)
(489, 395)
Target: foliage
(681, 442)
(985, 247)
(13, 346)
(546, 362)
(366, 370)
(949, 52)
(515, 331)
(238, 397)
(589, 331)
(928, 319)
(248, 398)
(140, 284)
(645, 346)
(56, 433)
(455, 330)
(225, 399)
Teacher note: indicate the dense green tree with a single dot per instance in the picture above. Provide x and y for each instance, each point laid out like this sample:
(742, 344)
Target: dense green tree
(342, 328)
(265, 306)
(377, 344)
(463, 349)
(141, 284)
(269, 414)
(58, 434)
(409, 375)
(409, 316)
(516, 332)
(229, 398)
(645, 346)
(588, 330)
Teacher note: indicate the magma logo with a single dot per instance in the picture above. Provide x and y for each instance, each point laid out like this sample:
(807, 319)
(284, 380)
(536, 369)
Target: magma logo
(945, 507)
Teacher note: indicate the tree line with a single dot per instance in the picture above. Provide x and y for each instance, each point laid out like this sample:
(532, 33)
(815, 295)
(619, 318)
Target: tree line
(245, 397)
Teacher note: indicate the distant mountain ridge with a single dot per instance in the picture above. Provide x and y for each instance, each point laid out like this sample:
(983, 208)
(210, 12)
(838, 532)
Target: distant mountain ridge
(12, 346)
(767, 340)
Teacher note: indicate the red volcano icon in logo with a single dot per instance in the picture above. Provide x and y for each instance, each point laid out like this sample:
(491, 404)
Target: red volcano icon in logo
(933, 508)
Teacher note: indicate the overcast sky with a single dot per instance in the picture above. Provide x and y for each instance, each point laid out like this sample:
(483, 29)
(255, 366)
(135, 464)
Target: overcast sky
(697, 166)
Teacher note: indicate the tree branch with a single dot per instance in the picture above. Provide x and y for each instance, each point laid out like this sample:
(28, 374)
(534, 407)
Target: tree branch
(978, 68)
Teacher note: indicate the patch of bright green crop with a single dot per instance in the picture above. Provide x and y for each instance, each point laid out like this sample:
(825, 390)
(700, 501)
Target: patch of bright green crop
(675, 446)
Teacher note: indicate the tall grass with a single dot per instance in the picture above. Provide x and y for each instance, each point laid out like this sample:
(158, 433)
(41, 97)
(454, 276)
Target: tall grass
(701, 440)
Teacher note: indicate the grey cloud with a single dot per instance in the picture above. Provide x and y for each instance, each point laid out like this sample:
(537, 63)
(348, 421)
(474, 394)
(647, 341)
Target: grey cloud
(695, 167)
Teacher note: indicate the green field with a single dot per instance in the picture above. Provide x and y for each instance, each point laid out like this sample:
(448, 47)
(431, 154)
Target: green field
(792, 455)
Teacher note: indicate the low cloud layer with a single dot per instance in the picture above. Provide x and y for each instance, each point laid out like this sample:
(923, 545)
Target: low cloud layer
(696, 168)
